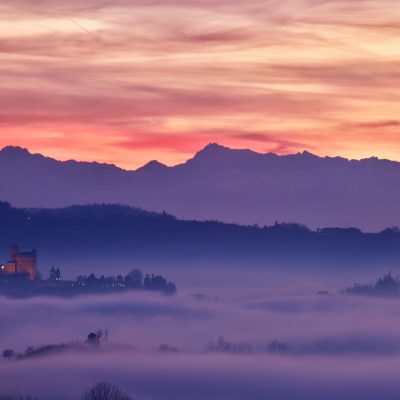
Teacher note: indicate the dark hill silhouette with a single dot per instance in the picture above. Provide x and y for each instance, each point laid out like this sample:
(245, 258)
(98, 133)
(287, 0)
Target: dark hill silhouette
(119, 237)
(238, 186)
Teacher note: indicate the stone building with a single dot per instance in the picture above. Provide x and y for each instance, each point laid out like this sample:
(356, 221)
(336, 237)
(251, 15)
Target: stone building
(21, 263)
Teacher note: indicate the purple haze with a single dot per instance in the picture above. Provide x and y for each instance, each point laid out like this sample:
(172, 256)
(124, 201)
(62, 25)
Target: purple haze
(238, 186)
(340, 347)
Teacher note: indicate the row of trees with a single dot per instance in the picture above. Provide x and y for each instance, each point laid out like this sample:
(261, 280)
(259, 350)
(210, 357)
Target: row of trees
(40, 351)
(100, 337)
(224, 346)
(385, 286)
(134, 280)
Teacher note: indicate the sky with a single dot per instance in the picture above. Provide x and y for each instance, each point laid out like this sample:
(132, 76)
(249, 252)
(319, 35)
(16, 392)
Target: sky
(125, 81)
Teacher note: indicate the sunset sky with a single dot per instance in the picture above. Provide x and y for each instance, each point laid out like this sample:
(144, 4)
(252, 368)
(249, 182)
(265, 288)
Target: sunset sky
(128, 81)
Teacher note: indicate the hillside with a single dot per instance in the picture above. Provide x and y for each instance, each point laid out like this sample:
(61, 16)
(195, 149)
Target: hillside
(118, 237)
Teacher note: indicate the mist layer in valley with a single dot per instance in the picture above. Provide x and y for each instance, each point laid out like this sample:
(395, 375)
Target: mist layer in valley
(280, 341)
(246, 323)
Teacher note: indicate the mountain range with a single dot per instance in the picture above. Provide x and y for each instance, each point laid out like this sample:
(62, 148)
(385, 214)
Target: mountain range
(218, 183)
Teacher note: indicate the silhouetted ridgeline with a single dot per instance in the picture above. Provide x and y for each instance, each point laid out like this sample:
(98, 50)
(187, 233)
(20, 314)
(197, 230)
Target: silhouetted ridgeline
(230, 185)
(387, 286)
(119, 236)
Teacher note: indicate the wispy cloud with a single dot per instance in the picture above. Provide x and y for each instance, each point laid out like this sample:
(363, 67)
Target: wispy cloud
(165, 69)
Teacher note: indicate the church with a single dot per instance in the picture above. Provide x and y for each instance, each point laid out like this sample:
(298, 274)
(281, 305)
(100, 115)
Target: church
(21, 263)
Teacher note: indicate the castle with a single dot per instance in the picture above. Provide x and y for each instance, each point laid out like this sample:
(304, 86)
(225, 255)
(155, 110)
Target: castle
(21, 263)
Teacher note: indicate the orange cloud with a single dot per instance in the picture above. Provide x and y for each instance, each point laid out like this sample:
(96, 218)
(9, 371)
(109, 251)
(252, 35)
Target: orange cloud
(126, 82)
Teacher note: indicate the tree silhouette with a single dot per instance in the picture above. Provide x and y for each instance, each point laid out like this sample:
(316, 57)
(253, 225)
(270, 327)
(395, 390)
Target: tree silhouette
(94, 338)
(135, 278)
(105, 391)
(8, 353)
(278, 347)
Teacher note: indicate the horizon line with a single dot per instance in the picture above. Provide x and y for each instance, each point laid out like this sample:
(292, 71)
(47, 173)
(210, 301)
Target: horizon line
(209, 145)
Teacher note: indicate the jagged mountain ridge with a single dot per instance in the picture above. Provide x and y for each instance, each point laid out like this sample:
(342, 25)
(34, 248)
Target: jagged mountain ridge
(239, 186)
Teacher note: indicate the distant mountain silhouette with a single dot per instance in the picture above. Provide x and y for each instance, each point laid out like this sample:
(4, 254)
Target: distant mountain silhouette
(239, 186)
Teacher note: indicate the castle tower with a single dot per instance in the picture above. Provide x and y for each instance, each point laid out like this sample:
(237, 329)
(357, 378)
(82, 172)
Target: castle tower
(21, 263)
(52, 274)
(14, 250)
(26, 263)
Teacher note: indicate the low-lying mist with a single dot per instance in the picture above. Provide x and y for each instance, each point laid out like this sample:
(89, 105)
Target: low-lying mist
(331, 346)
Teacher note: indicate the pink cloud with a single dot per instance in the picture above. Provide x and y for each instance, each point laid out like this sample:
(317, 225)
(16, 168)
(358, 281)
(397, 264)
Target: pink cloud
(168, 76)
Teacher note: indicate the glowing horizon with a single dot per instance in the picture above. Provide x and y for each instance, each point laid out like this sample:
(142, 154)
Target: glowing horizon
(189, 157)
(128, 82)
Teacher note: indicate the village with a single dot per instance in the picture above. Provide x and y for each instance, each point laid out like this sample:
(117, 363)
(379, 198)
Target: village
(19, 277)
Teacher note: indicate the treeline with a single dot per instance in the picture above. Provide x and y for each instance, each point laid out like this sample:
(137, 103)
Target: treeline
(96, 211)
(22, 286)
(386, 286)
(99, 340)
(224, 346)
(114, 232)
(40, 351)
(134, 280)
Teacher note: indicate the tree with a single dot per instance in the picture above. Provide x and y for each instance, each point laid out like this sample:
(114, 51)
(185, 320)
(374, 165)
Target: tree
(94, 338)
(105, 391)
(223, 346)
(91, 280)
(135, 277)
(29, 351)
(9, 354)
(387, 285)
(120, 281)
(278, 347)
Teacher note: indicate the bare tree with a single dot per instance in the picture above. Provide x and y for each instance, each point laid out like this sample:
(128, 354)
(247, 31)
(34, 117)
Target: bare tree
(105, 391)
